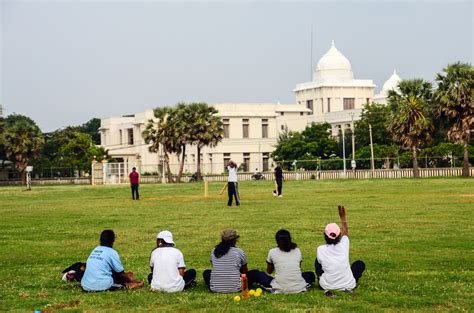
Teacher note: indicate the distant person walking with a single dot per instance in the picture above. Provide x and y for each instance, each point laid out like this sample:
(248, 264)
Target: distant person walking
(134, 181)
(278, 181)
(232, 185)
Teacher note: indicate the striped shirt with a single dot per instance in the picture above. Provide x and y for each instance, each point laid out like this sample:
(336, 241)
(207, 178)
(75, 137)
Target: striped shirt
(225, 274)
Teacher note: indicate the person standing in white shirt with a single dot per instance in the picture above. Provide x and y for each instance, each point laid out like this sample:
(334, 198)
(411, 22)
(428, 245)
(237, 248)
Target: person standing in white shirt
(168, 267)
(232, 185)
(332, 259)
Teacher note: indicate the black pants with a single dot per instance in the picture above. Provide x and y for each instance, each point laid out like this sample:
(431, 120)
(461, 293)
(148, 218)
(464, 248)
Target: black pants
(266, 280)
(279, 183)
(189, 277)
(233, 191)
(206, 275)
(135, 194)
(357, 268)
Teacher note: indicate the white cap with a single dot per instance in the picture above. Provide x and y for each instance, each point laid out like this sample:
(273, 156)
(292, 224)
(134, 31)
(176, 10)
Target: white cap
(167, 236)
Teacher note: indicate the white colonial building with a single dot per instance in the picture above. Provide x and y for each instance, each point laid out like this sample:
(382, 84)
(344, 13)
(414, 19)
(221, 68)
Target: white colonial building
(334, 96)
(250, 134)
(251, 129)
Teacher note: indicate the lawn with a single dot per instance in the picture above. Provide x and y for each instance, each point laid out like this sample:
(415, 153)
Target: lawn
(415, 237)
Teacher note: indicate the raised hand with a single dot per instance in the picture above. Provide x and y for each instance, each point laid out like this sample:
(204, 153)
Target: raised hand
(342, 215)
(342, 211)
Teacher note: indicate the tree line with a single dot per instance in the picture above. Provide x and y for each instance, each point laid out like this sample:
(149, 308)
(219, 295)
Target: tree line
(421, 117)
(71, 148)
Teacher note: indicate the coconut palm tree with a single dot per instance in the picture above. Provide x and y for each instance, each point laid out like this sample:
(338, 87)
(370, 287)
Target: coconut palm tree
(454, 101)
(22, 141)
(157, 132)
(181, 125)
(206, 128)
(410, 122)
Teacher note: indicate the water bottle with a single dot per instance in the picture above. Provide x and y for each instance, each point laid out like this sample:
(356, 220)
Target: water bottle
(245, 286)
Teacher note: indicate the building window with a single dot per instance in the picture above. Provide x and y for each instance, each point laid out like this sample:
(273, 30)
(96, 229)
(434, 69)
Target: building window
(193, 158)
(130, 136)
(349, 103)
(329, 104)
(309, 105)
(282, 113)
(301, 113)
(264, 128)
(265, 158)
(322, 105)
(246, 162)
(226, 127)
(120, 137)
(226, 160)
(245, 128)
(367, 100)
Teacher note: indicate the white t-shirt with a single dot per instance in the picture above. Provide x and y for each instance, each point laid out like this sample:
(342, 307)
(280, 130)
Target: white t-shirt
(288, 278)
(335, 262)
(232, 174)
(165, 262)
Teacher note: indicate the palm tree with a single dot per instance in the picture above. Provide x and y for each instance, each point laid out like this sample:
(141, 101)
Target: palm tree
(206, 128)
(181, 124)
(454, 97)
(410, 122)
(157, 132)
(22, 141)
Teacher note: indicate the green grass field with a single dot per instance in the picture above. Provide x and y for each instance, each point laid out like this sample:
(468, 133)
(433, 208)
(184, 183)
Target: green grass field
(414, 235)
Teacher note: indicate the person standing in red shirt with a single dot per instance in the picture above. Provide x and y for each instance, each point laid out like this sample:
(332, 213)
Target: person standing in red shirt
(134, 180)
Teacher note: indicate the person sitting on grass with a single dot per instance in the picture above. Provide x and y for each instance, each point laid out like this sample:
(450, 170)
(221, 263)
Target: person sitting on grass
(168, 267)
(332, 260)
(285, 260)
(104, 270)
(228, 263)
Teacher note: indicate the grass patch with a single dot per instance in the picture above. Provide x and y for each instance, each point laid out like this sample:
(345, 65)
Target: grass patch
(413, 235)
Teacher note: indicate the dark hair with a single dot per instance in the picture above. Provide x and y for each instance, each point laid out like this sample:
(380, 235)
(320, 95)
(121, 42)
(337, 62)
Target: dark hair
(331, 241)
(107, 238)
(161, 243)
(283, 239)
(223, 247)
(134, 168)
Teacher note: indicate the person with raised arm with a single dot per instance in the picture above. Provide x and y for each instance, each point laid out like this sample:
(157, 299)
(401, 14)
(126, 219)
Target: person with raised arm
(332, 259)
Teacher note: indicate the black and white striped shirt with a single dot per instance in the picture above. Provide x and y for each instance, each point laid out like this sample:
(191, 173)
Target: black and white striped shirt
(225, 274)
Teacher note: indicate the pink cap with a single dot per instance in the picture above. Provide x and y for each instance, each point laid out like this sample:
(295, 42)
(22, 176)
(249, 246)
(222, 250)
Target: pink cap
(332, 230)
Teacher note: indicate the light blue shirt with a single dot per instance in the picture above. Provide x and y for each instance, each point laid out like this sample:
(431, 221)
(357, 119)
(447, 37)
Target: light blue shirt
(100, 264)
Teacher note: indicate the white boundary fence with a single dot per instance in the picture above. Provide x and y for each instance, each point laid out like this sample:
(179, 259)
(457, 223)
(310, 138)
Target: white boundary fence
(121, 176)
(98, 175)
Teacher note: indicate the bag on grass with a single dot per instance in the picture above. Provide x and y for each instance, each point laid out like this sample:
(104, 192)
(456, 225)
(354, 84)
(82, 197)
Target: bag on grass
(74, 272)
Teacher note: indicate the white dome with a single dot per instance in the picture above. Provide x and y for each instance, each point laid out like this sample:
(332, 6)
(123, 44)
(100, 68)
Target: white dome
(391, 83)
(333, 65)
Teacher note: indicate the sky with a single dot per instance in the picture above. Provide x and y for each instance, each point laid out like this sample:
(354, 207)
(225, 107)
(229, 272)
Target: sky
(65, 62)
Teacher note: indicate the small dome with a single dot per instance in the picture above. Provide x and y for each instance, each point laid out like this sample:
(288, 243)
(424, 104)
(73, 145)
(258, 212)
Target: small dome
(391, 83)
(333, 64)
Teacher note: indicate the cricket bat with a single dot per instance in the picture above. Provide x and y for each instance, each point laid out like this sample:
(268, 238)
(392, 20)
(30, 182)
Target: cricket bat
(223, 188)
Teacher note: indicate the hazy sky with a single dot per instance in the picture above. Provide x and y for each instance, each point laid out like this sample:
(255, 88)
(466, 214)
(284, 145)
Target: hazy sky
(64, 62)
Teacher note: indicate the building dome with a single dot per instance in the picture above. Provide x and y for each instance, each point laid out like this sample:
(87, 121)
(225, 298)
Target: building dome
(333, 65)
(391, 83)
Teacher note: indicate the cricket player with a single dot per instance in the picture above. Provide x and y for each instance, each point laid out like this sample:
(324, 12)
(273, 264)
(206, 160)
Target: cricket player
(232, 189)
